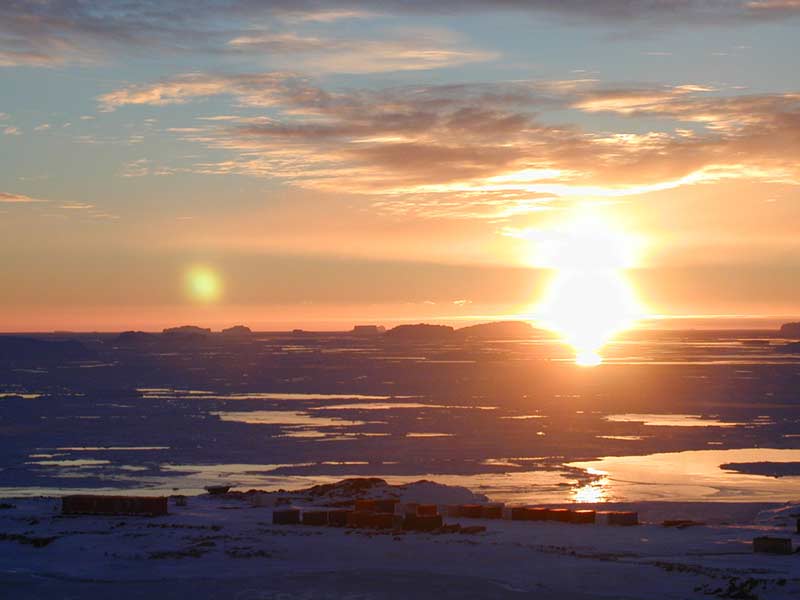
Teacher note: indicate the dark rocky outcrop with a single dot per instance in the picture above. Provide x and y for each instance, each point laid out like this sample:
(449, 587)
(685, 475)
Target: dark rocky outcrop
(793, 348)
(421, 332)
(237, 331)
(790, 330)
(135, 337)
(765, 468)
(186, 330)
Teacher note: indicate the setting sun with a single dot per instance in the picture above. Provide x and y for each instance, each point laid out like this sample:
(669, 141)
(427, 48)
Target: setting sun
(589, 299)
(203, 284)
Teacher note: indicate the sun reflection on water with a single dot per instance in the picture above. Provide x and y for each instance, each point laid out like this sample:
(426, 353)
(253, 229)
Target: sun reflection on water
(594, 492)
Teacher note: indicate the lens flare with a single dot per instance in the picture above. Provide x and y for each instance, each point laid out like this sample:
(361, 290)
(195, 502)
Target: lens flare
(203, 284)
(590, 299)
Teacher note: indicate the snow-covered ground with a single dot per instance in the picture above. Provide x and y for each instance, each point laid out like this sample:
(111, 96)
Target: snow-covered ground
(225, 547)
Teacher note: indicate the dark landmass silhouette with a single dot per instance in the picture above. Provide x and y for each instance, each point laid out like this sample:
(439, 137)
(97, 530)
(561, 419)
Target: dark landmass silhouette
(135, 337)
(421, 332)
(500, 330)
(187, 330)
(792, 348)
(237, 331)
(767, 469)
(29, 349)
(790, 330)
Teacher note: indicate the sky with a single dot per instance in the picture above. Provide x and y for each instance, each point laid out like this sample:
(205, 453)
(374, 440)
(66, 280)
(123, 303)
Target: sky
(318, 164)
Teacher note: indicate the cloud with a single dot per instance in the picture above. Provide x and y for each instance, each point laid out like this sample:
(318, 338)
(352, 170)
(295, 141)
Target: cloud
(481, 150)
(412, 51)
(54, 33)
(252, 90)
(9, 198)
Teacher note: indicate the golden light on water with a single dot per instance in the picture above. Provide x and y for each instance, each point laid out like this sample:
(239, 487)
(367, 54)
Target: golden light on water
(593, 492)
(590, 298)
(203, 284)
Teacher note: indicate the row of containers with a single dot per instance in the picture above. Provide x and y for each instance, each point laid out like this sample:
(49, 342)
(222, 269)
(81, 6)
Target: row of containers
(391, 514)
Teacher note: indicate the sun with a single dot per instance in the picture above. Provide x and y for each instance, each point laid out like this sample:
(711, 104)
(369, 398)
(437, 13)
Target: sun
(203, 284)
(590, 297)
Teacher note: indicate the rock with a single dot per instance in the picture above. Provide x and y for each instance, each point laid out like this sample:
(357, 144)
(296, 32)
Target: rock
(421, 332)
(135, 337)
(237, 331)
(790, 330)
(793, 348)
(473, 529)
(186, 332)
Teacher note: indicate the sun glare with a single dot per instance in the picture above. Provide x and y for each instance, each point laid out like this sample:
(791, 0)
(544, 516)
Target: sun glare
(203, 284)
(590, 299)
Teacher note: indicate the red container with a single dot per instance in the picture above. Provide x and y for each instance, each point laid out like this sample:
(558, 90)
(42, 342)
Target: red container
(582, 516)
(338, 518)
(410, 508)
(366, 505)
(422, 522)
(536, 513)
(359, 518)
(519, 513)
(624, 518)
(385, 506)
(382, 520)
(317, 518)
(86, 504)
(562, 515)
(286, 516)
(427, 510)
(471, 511)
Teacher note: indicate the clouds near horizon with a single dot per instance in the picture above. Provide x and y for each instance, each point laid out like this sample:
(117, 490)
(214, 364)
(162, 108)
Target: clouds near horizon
(485, 144)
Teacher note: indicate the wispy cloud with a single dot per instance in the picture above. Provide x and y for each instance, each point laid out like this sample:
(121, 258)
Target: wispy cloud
(9, 198)
(481, 150)
(252, 90)
(50, 34)
(409, 51)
